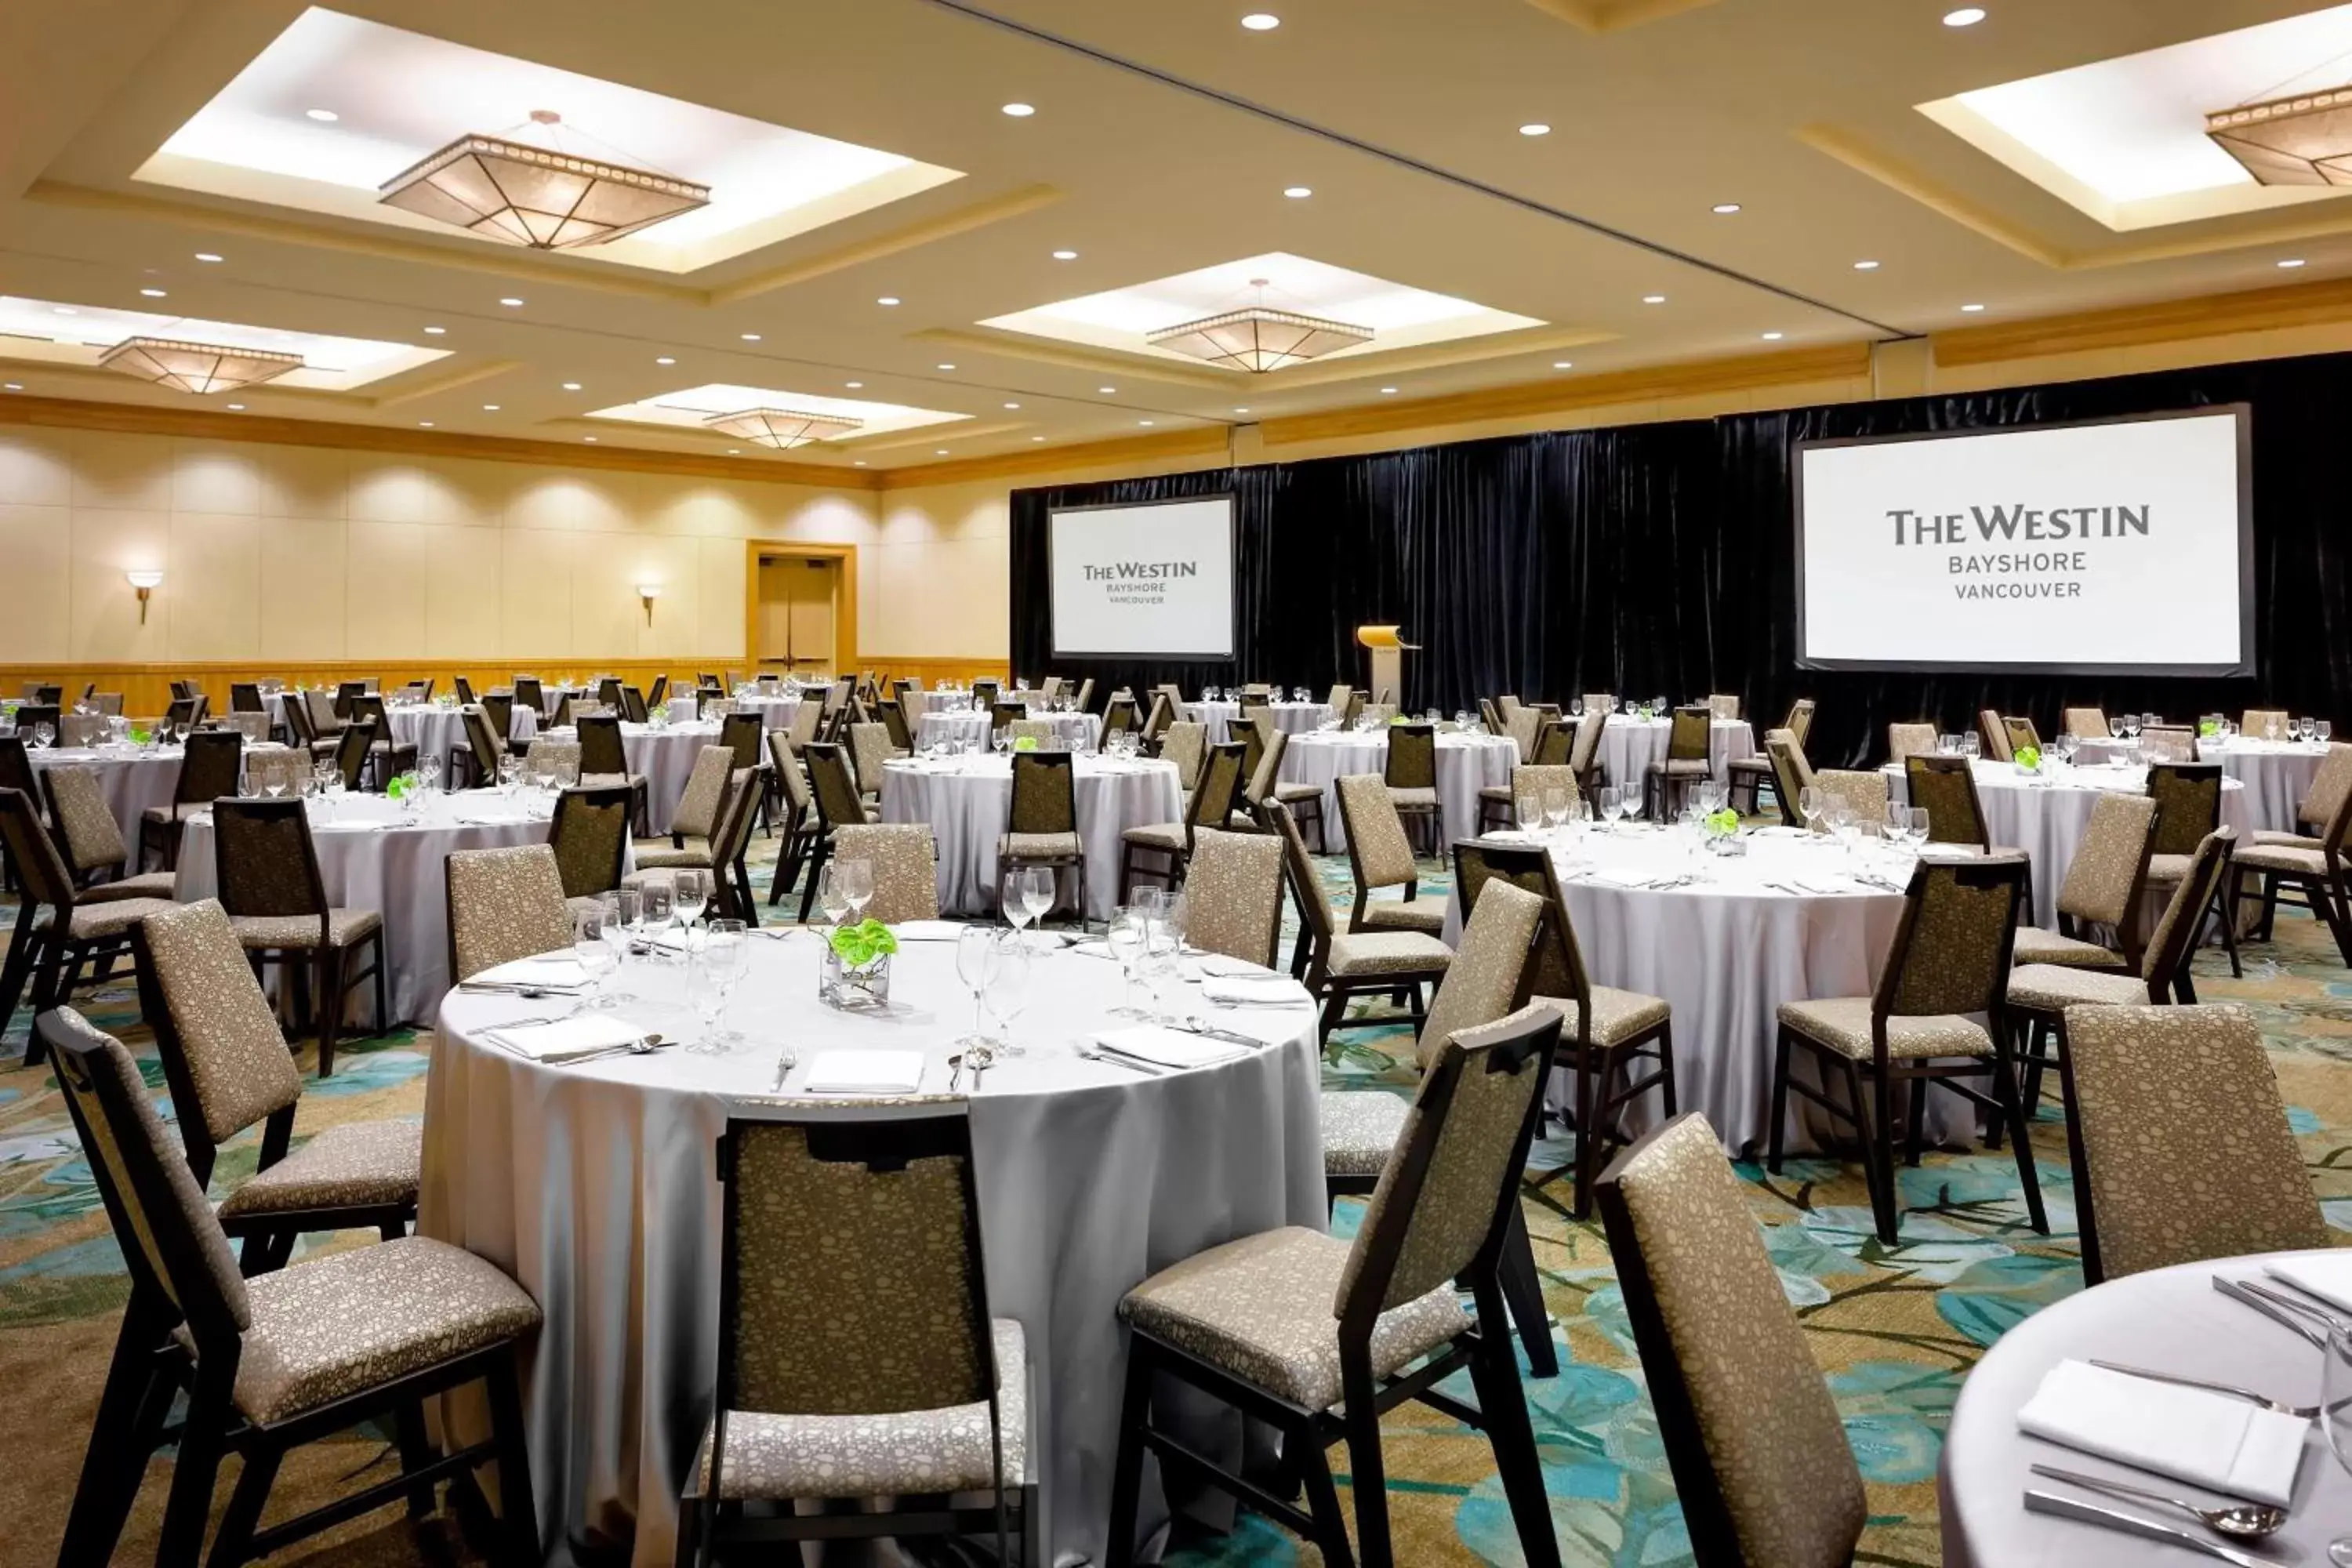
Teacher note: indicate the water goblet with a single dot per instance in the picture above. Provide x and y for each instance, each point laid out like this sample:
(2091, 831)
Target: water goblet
(621, 915)
(1555, 806)
(856, 885)
(1007, 993)
(44, 736)
(976, 957)
(596, 958)
(831, 899)
(1809, 806)
(689, 892)
(1125, 938)
(1037, 891)
(656, 902)
(717, 964)
(1612, 804)
(1527, 807)
(2322, 729)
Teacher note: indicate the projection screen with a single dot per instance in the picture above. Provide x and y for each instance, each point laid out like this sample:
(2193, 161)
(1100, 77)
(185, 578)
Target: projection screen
(1148, 580)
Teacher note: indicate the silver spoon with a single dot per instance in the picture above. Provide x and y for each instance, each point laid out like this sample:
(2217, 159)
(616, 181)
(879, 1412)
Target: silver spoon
(1092, 1054)
(2239, 1522)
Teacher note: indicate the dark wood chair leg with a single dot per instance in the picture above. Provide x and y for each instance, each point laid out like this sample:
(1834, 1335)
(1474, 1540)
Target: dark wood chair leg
(1873, 1132)
(329, 1002)
(1322, 1496)
(234, 1542)
(2005, 1088)
(1915, 1139)
(1775, 1140)
(1523, 1292)
(1504, 1405)
(118, 1448)
(518, 1509)
(2221, 913)
(415, 1453)
(1368, 1477)
(1127, 1469)
(193, 1474)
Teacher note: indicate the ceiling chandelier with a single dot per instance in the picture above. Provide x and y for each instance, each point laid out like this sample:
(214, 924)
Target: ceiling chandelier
(195, 367)
(1257, 338)
(548, 198)
(2301, 139)
(782, 428)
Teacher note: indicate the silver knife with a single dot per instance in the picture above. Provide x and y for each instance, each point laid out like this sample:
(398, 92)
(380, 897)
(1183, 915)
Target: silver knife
(2245, 1297)
(2116, 1519)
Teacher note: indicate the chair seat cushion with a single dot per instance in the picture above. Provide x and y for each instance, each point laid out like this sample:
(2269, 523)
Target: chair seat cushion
(611, 781)
(1424, 915)
(1387, 952)
(92, 921)
(179, 811)
(2035, 946)
(1756, 764)
(1842, 1024)
(2052, 989)
(1292, 794)
(359, 1164)
(1360, 1128)
(336, 1325)
(2284, 857)
(1422, 797)
(1501, 792)
(1617, 1015)
(651, 853)
(2165, 871)
(1039, 846)
(146, 885)
(946, 1450)
(2289, 840)
(1260, 1309)
(1681, 767)
(344, 927)
(1167, 836)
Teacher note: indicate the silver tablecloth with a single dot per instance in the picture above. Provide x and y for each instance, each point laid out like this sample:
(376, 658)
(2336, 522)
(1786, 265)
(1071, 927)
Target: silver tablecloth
(593, 1186)
(2168, 1319)
(436, 731)
(2278, 774)
(1466, 765)
(664, 756)
(373, 857)
(1079, 731)
(1216, 718)
(968, 801)
(133, 780)
(1629, 745)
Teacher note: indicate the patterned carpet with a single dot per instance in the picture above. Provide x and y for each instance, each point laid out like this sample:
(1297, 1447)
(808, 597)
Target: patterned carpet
(1895, 1329)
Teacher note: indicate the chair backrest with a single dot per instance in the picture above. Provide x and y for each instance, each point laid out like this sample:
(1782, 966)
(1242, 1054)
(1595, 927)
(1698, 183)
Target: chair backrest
(589, 836)
(548, 751)
(1044, 793)
(1946, 789)
(2169, 743)
(601, 751)
(265, 863)
(2110, 866)
(1447, 1195)
(795, 780)
(696, 815)
(1118, 718)
(836, 788)
(745, 735)
(1993, 729)
(2086, 723)
(1723, 704)
(1305, 885)
(31, 715)
(1041, 730)
(529, 692)
(633, 705)
(1523, 726)
(1412, 761)
(107, 702)
(1800, 721)
(33, 854)
(367, 705)
(268, 765)
(244, 697)
(1760, 1460)
(465, 688)
(1951, 952)
(17, 767)
(1555, 745)
(1221, 786)
(1587, 748)
(2331, 785)
(1163, 714)
(1000, 714)
(352, 748)
(223, 1053)
(503, 904)
(1233, 895)
(1540, 777)
(2021, 733)
(731, 842)
(2258, 722)
(906, 868)
(1378, 848)
(1791, 773)
(1693, 730)
(2172, 942)
(184, 712)
(1555, 966)
(482, 742)
(1182, 745)
(1268, 772)
(1488, 975)
(870, 745)
(1339, 698)
(805, 720)
(325, 709)
(2180, 1143)
(659, 694)
(894, 721)
(1905, 742)
(84, 824)
(2187, 798)
(210, 766)
(1863, 792)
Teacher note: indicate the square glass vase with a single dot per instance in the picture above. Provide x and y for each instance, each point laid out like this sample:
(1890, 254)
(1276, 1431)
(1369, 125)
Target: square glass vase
(864, 988)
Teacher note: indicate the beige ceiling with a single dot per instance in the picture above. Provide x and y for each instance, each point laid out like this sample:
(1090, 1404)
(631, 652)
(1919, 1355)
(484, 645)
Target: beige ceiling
(1163, 137)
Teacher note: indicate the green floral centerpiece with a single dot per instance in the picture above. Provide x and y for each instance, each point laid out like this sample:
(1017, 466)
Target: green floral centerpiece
(141, 735)
(2208, 728)
(2027, 759)
(1020, 743)
(856, 973)
(407, 789)
(1722, 832)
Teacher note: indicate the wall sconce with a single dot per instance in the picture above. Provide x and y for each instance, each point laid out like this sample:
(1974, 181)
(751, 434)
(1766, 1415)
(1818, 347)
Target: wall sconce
(146, 582)
(646, 593)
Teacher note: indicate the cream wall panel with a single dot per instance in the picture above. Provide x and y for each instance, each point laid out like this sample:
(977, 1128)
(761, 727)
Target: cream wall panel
(605, 611)
(462, 596)
(305, 482)
(121, 473)
(594, 502)
(535, 594)
(675, 563)
(383, 595)
(105, 623)
(420, 490)
(222, 477)
(214, 577)
(36, 543)
(305, 570)
(718, 631)
(35, 467)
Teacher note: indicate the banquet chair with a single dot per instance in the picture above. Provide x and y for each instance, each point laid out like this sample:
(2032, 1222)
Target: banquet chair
(1791, 773)
(1353, 712)
(1182, 744)
(89, 728)
(2022, 734)
(1498, 803)
(803, 729)
(2187, 798)
(833, 791)
(731, 878)
(1949, 961)
(1002, 713)
(1508, 705)
(1338, 698)
(83, 729)
(1410, 772)
(57, 929)
(894, 721)
(695, 822)
(31, 716)
(1305, 802)
(634, 709)
(2086, 723)
(1252, 731)
(269, 768)
(1118, 718)
(228, 1069)
(1156, 723)
(745, 733)
(1522, 728)
(1492, 717)
(1723, 705)
(326, 713)
(1043, 828)
(2329, 785)
(1945, 788)
(1905, 742)
(267, 869)
(48, 694)
(1669, 779)
(1380, 857)
(210, 767)
(1862, 791)
(357, 1336)
(984, 691)
(1084, 701)
(1263, 780)
(84, 829)
(658, 695)
(2257, 722)
(870, 749)
(608, 692)
(2316, 866)
(474, 759)
(1161, 849)
(244, 697)
(465, 688)
(346, 691)
(2169, 743)
(530, 694)
(1605, 1034)
(1555, 744)
(186, 713)
(1041, 730)
(107, 702)
(1584, 751)
(1232, 899)
(387, 758)
(503, 904)
(798, 816)
(2101, 889)
(604, 759)
(2041, 996)
(2180, 1145)
(1315, 1334)
(906, 864)
(350, 757)
(1336, 966)
(590, 835)
(303, 727)
(890, 1378)
(1759, 1455)
(1992, 732)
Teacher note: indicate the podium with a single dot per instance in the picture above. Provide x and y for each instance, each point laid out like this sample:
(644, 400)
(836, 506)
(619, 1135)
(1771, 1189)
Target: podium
(1388, 649)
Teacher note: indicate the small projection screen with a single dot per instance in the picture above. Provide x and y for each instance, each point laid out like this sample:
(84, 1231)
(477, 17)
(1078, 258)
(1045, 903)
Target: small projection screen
(1151, 581)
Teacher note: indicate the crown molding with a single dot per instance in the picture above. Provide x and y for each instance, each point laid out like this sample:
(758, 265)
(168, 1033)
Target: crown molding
(1613, 15)
(907, 236)
(1080, 356)
(1213, 441)
(2282, 307)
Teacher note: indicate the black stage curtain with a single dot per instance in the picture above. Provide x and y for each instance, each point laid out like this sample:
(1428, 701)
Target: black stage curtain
(1660, 560)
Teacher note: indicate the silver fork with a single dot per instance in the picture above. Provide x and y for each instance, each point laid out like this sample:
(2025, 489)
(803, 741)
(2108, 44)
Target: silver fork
(2292, 1322)
(2307, 1412)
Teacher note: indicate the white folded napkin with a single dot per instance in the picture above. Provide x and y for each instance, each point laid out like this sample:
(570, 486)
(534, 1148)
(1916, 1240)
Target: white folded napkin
(1255, 990)
(865, 1072)
(1625, 877)
(1168, 1047)
(582, 1034)
(927, 930)
(554, 971)
(2206, 1439)
(1217, 967)
(2327, 1278)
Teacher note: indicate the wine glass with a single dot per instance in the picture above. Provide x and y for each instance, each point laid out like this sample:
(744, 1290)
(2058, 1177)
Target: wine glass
(44, 735)
(1555, 808)
(1612, 803)
(621, 915)
(428, 773)
(1158, 963)
(976, 959)
(2115, 727)
(1016, 907)
(856, 885)
(1918, 827)
(1124, 939)
(596, 958)
(717, 964)
(1008, 991)
(1971, 746)
(2321, 728)
(655, 901)
(832, 898)
(1809, 807)
(1037, 891)
(1527, 807)
(689, 892)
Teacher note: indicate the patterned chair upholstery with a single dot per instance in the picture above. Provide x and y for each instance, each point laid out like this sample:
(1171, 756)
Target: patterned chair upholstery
(1530, 781)
(2169, 743)
(2101, 889)
(1761, 1458)
(1380, 857)
(2258, 722)
(51, 953)
(267, 869)
(1992, 735)
(1182, 744)
(86, 832)
(1864, 793)
(1044, 829)
(906, 869)
(1264, 779)
(504, 904)
(1041, 730)
(1791, 773)
(2086, 723)
(1748, 775)
(2021, 733)
(2319, 866)
(589, 836)
(1336, 967)
(1410, 771)
(549, 753)
(1723, 705)
(687, 842)
(1162, 849)
(277, 768)
(1907, 741)
(2180, 1141)
(1233, 895)
(2330, 785)
(1668, 779)
(869, 748)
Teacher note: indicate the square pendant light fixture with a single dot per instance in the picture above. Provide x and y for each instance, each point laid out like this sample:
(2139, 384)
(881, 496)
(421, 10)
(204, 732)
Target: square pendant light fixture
(195, 367)
(782, 428)
(548, 198)
(1259, 338)
(2306, 140)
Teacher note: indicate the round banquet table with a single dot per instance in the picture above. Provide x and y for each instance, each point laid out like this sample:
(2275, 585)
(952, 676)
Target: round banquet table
(1216, 718)
(2167, 1319)
(133, 777)
(968, 801)
(775, 713)
(373, 856)
(592, 1185)
(663, 755)
(2278, 774)
(436, 731)
(1726, 949)
(1466, 765)
(1079, 731)
(958, 701)
(1629, 745)
(2046, 814)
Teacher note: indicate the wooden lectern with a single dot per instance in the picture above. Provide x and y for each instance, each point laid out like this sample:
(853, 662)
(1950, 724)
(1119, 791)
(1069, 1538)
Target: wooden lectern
(1388, 651)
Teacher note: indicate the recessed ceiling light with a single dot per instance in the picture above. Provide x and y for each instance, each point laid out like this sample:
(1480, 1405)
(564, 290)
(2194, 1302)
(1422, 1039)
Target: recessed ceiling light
(1036, 438)
(1105, 391)
(858, 463)
(853, 385)
(1972, 309)
(1865, 266)
(206, 256)
(1388, 392)
(324, 116)
(1535, 128)
(571, 386)
(938, 451)
(1966, 17)
(888, 299)
(1244, 408)
(1066, 256)
(511, 303)
(158, 293)
(1020, 110)
(1298, 193)
(63, 311)
(236, 407)
(425, 425)
(945, 365)
(590, 439)
(1563, 364)
(1013, 406)
(665, 359)
(2290, 261)
(1723, 209)
(1653, 299)
(1143, 422)
(490, 409)
(13, 387)
(734, 451)
(1261, 21)
(435, 332)
(751, 337)
(1774, 337)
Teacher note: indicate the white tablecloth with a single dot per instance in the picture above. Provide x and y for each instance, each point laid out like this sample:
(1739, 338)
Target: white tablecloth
(371, 855)
(956, 701)
(133, 778)
(1466, 765)
(968, 801)
(1726, 949)
(2046, 814)
(2168, 1320)
(775, 713)
(1217, 718)
(1629, 745)
(2278, 774)
(593, 1186)
(1079, 731)
(665, 756)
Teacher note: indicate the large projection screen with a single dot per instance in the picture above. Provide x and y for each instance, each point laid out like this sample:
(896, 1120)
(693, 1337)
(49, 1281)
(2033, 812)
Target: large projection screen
(2119, 546)
(1149, 580)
